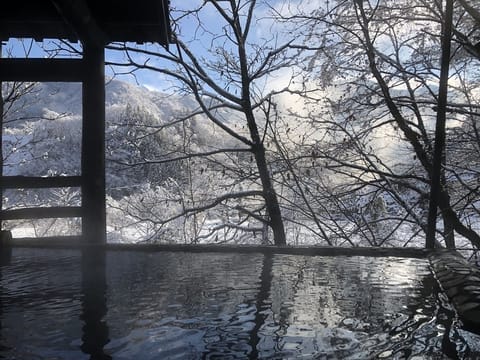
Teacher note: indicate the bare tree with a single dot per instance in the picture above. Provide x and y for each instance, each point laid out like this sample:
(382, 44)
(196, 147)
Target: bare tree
(378, 65)
(227, 78)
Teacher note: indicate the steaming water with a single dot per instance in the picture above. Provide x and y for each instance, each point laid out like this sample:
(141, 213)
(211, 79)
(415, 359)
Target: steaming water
(62, 304)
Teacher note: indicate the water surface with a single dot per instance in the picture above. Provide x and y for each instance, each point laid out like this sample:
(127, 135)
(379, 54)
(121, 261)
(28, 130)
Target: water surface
(69, 304)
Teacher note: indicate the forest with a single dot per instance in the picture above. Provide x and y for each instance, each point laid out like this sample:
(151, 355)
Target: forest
(276, 122)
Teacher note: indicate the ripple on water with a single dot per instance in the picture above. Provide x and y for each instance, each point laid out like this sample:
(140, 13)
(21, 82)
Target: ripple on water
(219, 306)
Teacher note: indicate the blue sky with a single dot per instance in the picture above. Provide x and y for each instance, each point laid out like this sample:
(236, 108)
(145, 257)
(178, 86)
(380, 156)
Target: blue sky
(30, 48)
(200, 44)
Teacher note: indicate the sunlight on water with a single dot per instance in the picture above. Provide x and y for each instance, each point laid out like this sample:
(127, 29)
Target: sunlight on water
(62, 304)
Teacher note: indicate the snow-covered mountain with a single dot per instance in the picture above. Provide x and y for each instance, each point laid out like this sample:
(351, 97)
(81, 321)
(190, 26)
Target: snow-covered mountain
(52, 99)
(49, 116)
(42, 137)
(147, 192)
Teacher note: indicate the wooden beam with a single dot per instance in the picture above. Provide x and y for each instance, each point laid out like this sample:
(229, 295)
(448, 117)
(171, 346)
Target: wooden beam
(31, 182)
(64, 70)
(93, 146)
(41, 213)
(79, 16)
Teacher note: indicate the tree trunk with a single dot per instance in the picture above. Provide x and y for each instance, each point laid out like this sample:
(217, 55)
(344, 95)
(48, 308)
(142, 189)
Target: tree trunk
(448, 232)
(448, 223)
(449, 213)
(437, 178)
(442, 197)
(270, 196)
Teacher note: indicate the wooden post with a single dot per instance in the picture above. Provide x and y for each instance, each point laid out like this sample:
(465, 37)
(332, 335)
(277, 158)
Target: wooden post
(93, 145)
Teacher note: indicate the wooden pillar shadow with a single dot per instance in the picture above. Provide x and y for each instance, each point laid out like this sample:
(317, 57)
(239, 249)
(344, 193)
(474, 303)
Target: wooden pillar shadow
(5, 259)
(94, 304)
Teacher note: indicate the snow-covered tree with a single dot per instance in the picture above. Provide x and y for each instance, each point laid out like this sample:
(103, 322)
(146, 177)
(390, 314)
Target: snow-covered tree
(227, 72)
(378, 66)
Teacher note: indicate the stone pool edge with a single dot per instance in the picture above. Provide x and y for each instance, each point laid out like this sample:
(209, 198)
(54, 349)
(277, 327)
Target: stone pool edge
(460, 281)
(76, 243)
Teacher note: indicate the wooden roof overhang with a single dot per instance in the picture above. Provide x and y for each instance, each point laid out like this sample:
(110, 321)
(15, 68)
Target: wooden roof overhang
(98, 21)
(94, 23)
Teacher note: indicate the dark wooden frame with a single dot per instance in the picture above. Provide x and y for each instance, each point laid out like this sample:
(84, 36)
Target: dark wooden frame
(75, 21)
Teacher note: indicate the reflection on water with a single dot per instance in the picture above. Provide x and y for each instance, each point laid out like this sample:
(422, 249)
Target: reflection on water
(94, 304)
(67, 304)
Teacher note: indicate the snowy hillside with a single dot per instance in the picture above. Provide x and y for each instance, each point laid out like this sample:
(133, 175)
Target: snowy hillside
(42, 137)
(159, 190)
(50, 99)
